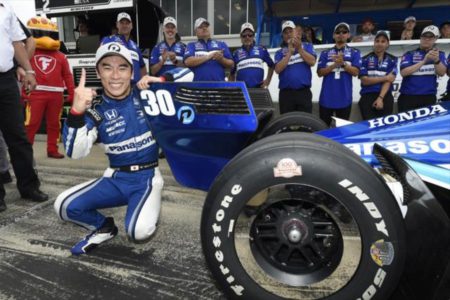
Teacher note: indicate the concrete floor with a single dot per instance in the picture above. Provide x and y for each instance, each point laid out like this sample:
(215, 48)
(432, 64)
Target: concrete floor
(35, 258)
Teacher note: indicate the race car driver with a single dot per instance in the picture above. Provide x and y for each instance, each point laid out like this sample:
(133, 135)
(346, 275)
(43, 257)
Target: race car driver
(52, 75)
(132, 178)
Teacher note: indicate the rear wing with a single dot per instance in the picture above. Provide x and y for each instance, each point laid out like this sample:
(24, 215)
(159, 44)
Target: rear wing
(60, 7)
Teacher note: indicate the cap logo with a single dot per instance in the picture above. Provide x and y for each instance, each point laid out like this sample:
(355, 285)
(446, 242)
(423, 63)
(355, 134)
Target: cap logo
(114, 47)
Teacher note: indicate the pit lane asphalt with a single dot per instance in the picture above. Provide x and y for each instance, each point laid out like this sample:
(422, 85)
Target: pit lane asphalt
(35, 259)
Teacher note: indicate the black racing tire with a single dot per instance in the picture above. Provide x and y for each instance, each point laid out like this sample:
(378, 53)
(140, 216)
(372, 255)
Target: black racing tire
(293, 121)
(335, 187)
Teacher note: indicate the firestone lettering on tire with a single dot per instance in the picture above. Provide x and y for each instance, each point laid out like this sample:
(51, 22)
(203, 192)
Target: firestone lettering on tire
(370, 206)
(372, 289)
(217, 227)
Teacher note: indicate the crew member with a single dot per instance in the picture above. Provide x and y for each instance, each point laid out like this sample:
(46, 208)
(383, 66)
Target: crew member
(293, 63)
(249, 61)
(337, 66)
(124, 26)
(447, 94)
(169, 53)
(206, 57)
(420, 68)
(378, 72)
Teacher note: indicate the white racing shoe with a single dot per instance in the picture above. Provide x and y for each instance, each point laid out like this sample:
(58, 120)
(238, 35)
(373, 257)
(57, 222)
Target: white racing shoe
(97, 237)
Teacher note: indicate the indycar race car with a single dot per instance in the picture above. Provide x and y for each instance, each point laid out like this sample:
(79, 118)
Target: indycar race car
(354, 212)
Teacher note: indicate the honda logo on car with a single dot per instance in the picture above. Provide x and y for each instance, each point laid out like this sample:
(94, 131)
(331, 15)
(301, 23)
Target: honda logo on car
(217, 228)
(406, 116)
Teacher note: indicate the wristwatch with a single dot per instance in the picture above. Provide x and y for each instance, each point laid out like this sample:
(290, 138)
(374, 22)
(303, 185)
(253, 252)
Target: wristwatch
(30, 72)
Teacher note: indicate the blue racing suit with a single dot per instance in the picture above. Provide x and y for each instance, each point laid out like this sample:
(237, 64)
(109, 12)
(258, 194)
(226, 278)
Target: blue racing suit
(132, 178)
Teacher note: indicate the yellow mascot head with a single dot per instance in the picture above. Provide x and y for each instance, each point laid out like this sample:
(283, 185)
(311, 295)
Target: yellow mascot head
(45, 33)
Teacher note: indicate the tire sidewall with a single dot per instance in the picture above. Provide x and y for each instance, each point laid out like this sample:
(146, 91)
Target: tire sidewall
(306, 123)
(321, 169)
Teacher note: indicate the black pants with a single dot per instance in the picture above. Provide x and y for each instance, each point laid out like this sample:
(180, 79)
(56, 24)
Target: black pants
(370, 112)
(295, 100)
(326, 113)
(408, 102)
(13, 129)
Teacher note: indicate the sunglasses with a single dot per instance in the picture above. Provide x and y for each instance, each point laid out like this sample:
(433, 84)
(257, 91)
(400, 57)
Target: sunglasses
(40, 33)
(248, 35)
(341, 32)
(427, 36)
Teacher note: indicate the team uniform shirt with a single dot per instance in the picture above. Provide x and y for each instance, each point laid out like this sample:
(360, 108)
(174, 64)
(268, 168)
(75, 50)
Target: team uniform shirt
(448, 69)
(297, 74)
(136, 54)
(372, 67)
(424, 80)
(249, 65)
(337, 87)
(10, 31)
(53, 73)
(210, 70)
(178, 48)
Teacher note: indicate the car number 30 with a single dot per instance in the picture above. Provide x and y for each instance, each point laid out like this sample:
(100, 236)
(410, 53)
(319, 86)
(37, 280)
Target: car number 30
(159, 102)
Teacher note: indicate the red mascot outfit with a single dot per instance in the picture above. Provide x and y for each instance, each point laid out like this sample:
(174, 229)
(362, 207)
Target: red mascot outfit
(52, 75)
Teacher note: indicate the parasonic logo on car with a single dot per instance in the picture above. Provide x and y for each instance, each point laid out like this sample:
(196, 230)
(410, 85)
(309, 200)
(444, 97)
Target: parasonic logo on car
(406, 116)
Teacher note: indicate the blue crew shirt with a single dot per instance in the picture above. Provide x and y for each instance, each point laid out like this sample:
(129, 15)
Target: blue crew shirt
(448, 70)
(297, 74)
(178, 48)
(337, 87)
(136, 54)
(372, 67)
(249, 65)
(210, 70)
(424, 80)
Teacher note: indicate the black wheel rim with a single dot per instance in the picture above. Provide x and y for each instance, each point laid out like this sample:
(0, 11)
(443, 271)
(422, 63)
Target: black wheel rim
(296, 237)
(298, 242)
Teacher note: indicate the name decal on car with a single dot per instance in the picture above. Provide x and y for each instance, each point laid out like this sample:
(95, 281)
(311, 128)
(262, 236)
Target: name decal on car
(406, 116)
(438, 146)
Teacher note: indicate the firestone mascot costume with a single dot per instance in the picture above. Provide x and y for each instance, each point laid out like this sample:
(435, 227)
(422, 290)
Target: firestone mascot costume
(52, 75)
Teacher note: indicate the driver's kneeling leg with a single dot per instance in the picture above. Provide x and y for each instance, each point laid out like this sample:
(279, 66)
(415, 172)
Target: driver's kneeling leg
(143, 209)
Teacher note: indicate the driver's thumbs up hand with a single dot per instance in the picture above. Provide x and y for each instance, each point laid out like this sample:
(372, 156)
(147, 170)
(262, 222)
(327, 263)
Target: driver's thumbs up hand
(83, 97)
